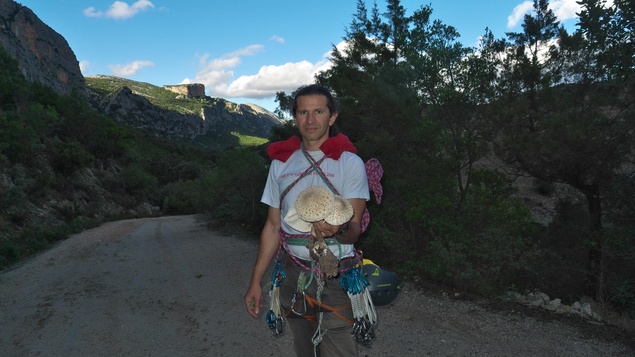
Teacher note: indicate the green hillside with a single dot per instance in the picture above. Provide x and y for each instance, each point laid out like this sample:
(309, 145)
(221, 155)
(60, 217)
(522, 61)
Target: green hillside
(109, 85)
(230, 124)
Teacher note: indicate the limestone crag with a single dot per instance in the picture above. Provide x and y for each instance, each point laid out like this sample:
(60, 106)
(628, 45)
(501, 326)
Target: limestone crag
(194, 90)
(217, 116)
(136, 111)
(43, 55)
(249, 119)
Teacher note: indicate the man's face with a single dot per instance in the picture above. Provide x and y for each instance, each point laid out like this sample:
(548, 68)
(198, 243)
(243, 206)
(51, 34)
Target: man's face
(313, 119)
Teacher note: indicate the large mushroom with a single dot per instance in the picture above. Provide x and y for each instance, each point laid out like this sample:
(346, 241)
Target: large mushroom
(315, 204)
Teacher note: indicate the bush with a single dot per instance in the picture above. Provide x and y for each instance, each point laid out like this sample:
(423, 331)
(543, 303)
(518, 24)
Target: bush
(71, 156)
(232, 190)
(619, 246)
(492, 242)
(180, 197)
(139, 183)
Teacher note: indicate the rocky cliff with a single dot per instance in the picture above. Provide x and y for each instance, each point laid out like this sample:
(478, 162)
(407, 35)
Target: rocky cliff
(195, 90)
(43, 55)
(172, 114)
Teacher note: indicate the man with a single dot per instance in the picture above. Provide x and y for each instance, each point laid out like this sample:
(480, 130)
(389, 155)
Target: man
(318, 310)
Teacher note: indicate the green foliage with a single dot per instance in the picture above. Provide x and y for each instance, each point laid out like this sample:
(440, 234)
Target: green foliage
(609, 32)
(423, 117)
(619, 247)
(246, 140)
(109, 85)
(284, 132)
(11, 199)
(181, 197)
(64, 167)
(16, 245)
(622, 295)
(70, 157)
(12, 84)
(431, 110)
(231, 191)
(567, 110)
(139, 182)
(285, 102)
(16, 140)
(490, 244)
(101, 136)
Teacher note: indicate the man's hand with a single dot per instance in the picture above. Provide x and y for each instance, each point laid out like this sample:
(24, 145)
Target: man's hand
(253, 301)
(326, 229)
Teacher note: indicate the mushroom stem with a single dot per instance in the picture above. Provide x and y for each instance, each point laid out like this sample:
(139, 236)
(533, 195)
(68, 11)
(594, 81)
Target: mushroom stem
(322, 254)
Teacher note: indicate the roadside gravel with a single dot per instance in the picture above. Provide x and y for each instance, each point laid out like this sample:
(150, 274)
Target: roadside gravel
(169, 286)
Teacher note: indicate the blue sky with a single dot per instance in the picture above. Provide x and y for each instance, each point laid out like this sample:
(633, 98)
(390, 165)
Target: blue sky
(242, 50)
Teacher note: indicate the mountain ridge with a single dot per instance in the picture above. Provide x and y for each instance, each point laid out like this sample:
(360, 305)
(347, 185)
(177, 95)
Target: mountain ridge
(174, 116)
(44, 56)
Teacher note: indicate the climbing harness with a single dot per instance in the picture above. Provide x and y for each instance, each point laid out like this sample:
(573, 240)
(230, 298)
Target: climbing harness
(274, 316)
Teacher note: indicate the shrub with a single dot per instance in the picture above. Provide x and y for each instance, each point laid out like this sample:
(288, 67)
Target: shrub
(232, 190)
(71, 156)
(139, 183)
(492, 241)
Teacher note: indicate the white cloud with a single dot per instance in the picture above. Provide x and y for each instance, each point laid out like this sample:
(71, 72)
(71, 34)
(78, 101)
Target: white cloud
(218, 76)
(217, 64)
(563, 9)
(129, 69)
(84, 66)
(120, 10)
(277, 38)
(271, 79)
(250, 50)
(518, 13)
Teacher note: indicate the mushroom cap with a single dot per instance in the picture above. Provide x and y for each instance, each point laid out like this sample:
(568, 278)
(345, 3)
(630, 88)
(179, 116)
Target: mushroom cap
(311, 205)
(314, 203)
(341, 211)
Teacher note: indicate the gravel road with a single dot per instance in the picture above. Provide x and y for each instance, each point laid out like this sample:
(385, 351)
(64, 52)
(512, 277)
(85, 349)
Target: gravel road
(171, 287)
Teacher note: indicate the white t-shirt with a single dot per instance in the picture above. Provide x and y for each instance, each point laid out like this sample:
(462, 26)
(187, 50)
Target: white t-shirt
(347, 175)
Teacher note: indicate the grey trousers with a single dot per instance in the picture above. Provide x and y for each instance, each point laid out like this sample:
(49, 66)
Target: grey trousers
(337, 319)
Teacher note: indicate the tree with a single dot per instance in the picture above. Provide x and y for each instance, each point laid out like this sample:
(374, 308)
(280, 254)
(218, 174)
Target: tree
(284, 105)
(414, 97)
(609, 33)
(563, 115)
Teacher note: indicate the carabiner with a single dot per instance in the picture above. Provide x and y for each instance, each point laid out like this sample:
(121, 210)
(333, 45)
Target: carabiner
(275, 323)
(293, 301)
(279, 326)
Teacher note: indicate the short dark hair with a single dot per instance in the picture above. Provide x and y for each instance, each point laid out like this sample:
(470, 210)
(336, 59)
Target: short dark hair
(315, 89)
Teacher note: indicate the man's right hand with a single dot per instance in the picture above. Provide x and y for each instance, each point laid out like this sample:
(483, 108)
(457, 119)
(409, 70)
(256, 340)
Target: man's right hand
(253, 301)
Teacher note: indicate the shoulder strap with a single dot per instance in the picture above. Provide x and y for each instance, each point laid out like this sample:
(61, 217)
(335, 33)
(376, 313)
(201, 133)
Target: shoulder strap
(374, 172)
(315, 166)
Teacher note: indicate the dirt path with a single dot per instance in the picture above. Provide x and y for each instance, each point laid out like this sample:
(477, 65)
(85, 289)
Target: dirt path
(170, 287)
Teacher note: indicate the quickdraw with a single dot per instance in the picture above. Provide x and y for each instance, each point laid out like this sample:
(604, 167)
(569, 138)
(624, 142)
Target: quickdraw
(364, 314)
(274, 316)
